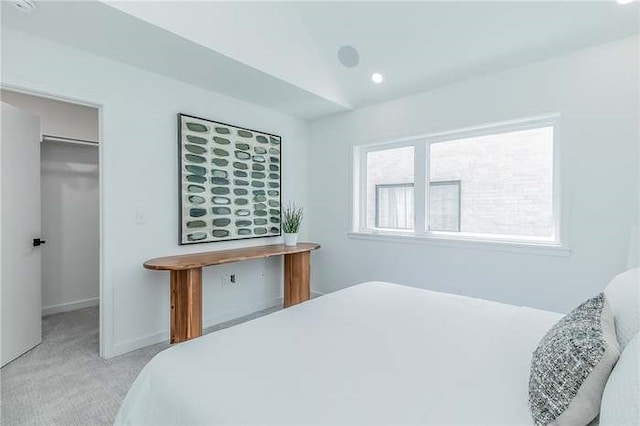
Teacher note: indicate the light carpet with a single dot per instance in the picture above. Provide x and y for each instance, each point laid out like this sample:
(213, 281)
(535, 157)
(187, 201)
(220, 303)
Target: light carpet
(63, 381)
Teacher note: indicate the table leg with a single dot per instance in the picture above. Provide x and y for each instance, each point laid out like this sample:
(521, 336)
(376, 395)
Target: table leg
(186, 304)
(297, 272)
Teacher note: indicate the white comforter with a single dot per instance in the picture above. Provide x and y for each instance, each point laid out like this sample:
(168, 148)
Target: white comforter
(376, 353)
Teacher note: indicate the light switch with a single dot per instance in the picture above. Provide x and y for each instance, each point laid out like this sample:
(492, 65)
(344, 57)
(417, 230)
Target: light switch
(141, 218)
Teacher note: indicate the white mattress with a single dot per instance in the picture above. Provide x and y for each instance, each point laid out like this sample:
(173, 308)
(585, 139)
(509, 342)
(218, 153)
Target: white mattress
(375, 353)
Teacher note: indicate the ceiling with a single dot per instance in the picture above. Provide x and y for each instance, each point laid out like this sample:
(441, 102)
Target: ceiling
(282, 55)
(99, 29)
(423, 45)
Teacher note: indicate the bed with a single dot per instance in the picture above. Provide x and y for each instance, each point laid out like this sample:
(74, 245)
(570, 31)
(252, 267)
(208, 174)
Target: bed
(375, 353)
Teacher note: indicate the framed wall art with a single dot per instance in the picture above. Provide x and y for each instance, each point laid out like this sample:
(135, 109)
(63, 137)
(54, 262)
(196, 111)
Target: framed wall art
(230, 181)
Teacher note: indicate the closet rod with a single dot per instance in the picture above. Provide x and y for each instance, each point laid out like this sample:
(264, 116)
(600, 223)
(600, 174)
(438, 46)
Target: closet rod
(49, 138)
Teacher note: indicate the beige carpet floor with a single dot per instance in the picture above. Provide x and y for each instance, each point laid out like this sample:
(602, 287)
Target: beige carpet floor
(63, 381)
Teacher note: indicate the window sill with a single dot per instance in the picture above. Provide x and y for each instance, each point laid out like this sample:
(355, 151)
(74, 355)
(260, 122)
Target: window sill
(460, 243)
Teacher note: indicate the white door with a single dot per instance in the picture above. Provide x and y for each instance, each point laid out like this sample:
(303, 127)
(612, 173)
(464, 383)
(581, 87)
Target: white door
(20, 288)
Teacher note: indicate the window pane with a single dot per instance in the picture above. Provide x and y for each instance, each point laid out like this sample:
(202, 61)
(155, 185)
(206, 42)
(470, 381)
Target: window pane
(388, 173)
(505, 183)
(444, 205)
(394, 206)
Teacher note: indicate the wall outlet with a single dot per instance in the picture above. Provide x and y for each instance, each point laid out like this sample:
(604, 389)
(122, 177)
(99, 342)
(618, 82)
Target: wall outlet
(230, 279)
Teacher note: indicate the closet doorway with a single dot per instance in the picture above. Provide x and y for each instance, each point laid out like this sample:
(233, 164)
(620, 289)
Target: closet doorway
(67, 246)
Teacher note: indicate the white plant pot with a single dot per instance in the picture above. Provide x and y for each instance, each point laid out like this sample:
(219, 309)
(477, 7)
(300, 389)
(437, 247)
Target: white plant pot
(290, 239)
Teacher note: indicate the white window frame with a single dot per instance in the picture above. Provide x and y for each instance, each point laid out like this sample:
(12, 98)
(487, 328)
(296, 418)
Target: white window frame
(557, 245)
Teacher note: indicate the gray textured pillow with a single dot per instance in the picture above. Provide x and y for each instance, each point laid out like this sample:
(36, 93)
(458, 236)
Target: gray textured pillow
(571, 366)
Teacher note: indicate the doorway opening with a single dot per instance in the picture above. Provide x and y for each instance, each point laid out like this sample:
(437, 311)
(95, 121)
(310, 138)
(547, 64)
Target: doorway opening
(66, 244)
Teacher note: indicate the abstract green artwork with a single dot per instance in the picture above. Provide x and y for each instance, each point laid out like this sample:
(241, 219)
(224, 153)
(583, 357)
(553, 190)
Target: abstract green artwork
(230, 181)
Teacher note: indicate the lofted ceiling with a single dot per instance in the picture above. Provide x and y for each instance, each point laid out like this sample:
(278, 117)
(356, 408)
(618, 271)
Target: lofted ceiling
(419, 46)
(100, 29)
(283, 55)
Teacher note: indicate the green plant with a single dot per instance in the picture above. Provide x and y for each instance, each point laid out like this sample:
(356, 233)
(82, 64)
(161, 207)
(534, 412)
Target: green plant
(292, 218)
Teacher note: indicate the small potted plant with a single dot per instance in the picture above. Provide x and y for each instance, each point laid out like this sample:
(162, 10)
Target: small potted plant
(291, 219)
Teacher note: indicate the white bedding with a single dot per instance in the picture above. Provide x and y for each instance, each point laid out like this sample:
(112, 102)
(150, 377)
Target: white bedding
(375, 353)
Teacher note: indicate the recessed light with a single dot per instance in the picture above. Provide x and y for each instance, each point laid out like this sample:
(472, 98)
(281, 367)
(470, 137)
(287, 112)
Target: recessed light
(26, 6)
(377, 78)
(624, 1)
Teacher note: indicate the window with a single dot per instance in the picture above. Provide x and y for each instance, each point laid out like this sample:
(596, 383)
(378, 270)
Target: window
(394, 206)
(496, 183)
(444, 203)
(508, 181)
(388, 171)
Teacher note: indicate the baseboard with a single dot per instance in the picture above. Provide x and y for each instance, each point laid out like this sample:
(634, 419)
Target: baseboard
(280, 300)
(70, 306)
(207, 321)
(138, 343)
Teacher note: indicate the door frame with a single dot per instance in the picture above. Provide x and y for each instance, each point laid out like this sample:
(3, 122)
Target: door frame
(105, 315)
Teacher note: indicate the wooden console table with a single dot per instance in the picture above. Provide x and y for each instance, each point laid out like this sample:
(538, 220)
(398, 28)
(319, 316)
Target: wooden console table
(186, 280)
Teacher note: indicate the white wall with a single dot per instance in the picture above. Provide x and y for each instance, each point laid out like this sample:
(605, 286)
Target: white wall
(58, 118)
(595, 90)
(139, 174)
